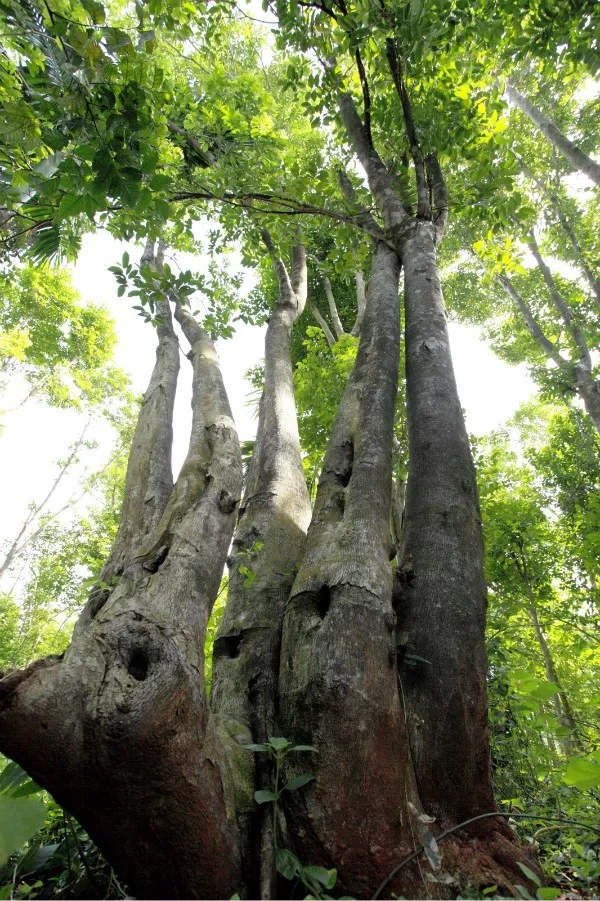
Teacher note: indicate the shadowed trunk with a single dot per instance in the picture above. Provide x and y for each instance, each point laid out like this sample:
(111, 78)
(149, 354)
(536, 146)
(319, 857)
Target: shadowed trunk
(441, 594)
(337, 681)
(118, 730)
(441, 614)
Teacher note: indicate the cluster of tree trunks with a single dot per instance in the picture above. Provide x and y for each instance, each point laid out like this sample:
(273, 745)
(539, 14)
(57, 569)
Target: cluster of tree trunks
(382, 669)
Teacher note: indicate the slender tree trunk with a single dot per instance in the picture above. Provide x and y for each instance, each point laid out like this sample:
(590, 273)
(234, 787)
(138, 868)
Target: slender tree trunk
(441, 617)
(25, 537)
(118, 729)
(322, 325)
(561, 701)
(333, 310)
(337, 680)
(361, 303)
(267, 549)
(575, 155)
(580, 373)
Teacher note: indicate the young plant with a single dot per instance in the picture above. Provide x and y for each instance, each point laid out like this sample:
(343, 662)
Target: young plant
(315, 879)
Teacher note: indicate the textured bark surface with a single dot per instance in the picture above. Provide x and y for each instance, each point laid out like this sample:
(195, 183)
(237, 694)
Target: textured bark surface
(149, 480)
(575, 155)
(118, 730)
(337, 684)
(441, 614)
(440, 595)
(267, 548)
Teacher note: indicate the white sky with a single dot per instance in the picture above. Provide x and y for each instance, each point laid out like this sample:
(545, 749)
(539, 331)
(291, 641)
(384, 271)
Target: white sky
(35, 436)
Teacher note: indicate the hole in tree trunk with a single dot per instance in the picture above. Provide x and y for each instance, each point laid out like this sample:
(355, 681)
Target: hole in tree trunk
(138, 666)
(323, 601)
(345, 472)
(227, 646)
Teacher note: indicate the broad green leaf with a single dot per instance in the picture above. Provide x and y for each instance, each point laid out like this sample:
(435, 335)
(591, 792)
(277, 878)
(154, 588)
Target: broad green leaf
(264, 797)
(529, 873)
(280, 744)
(326, 878)
(73, 204)
(12, 777)
(582, 773)
(287, 864)
(256, 748)
(28, 788)
(548, 894)
(545, 690)
(20, 819)
(298, 781)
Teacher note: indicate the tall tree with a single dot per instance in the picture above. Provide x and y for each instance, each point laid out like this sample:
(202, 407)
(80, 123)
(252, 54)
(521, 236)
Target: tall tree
(388, 686)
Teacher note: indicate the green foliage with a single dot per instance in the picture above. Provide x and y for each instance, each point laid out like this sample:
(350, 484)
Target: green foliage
(63, 348)
(316, 880)
(319, 381)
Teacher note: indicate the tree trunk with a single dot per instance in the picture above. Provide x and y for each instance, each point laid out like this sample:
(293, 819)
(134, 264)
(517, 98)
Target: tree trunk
(575, 155)
(441, 598)
(267, 549)
(561, 702)
(337, 678)
(119, 729)
(441, 617)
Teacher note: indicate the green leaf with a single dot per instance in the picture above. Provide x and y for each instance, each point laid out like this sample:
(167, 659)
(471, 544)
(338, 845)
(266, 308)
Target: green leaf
(256, 748)
(490, 890)
(130, 185)
(73, 204)
(85, 152)
(287, 864)
(159, 181)
(264, 797)
(95, 10)
(28, 788)
(582, 773)
(116, 39)
(524, 893)
(326, 878)
(46, 244)
(548, 894)
(529, 873)
(20, 819)
(12, 777)
(297, 782)
(148, 162)
(280, 744)
(545, 690)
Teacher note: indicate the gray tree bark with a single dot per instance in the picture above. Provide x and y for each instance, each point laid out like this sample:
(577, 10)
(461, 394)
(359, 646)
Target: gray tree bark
(122, 718)
(575, 155)
(267, 549)
(337, 681)
(441, 595)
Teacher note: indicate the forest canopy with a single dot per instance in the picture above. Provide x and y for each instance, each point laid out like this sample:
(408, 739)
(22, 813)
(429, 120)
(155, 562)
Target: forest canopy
(358, 655)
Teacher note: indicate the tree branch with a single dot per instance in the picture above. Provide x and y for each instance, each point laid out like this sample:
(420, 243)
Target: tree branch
(560, 303)
(364, 84)
(335, 318)
(423, 203)
(531, 323)
(322, 325)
